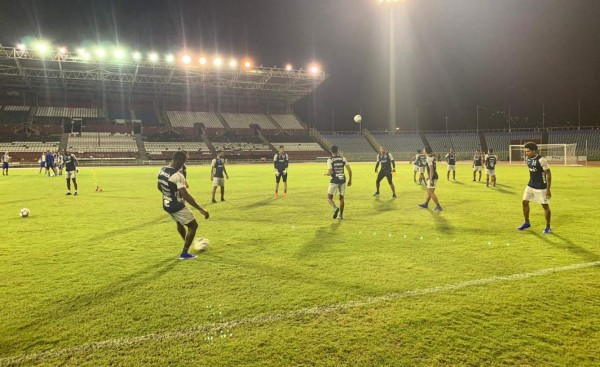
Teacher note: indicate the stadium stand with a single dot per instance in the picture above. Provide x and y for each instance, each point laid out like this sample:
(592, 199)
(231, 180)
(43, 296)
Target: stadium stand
(73, 112)
(103, 145)
(189, 118)
(164, 150)
(583, 138)
(28, 151)
(288, 122)
(147, 117)
(500, 141)
(403, 146)
(353, 147)
(12, 108)
(244, 120)
(119, 114)
(464, 144)
(301, 151)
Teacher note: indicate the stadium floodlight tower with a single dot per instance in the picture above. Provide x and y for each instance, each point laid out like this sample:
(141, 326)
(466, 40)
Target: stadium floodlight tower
(391, 5)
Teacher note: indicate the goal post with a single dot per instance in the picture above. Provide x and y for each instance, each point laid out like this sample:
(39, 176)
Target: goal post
(564, 154)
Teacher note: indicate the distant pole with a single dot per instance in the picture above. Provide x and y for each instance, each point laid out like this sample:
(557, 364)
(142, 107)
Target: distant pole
(417, 119)
(509, 117)
(446, 119)
(392, 101)
(579, 114)
(543, 115)
(332, 120)
(477, 118)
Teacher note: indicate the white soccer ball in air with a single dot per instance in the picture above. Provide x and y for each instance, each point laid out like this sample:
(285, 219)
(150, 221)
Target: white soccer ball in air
(201, 244)
(358, 119)
(24, 213)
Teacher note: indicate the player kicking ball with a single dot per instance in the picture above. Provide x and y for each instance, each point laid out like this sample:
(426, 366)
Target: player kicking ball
(335, 169)
(538, 188)
(172, 185)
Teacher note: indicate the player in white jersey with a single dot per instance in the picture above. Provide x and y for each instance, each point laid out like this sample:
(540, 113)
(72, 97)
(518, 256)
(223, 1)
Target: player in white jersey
(335, 169)
(5, 162)
(42, 162)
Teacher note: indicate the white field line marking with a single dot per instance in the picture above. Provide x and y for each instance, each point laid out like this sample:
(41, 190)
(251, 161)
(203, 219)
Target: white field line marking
(270, 318)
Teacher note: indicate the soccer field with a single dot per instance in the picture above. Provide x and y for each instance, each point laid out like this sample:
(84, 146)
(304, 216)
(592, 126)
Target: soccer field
(94, 280)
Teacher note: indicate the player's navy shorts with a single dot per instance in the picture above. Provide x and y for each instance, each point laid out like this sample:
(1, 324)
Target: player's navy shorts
(49, 164)
(42, 164)
(4, 165)
(383, 175)
(281, 176)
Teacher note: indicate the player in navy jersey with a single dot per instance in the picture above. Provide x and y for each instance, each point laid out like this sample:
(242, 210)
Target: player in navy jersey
(538, 187)
(50, 166)
(335, 169)
(477, 164)
(71, 165)
(490, 168)
(281, 162)
(432, 182)
(5, 162)
(451, 160)
(388, 165)
(216, 175)
(172, 186)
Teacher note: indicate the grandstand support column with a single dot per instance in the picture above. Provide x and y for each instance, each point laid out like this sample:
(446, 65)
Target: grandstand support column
(208, 143)
(275, 123)
(482, 142)
(424, 139)
(64, 142)
(265, 140)
(371, 139)
(320, 139)
(222, 119)
(140, 145)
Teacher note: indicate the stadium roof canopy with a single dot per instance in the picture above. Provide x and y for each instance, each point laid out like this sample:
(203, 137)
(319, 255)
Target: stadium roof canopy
(27, 70)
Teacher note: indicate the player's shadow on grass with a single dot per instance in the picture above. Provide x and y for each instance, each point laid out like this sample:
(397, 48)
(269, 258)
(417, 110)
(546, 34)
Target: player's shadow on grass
(85, 303)
(324, 237)
(384, 204)
(28, 200)
(502, 190)
(441, 224)
(569, 245)
(259, 204)
(125, 230)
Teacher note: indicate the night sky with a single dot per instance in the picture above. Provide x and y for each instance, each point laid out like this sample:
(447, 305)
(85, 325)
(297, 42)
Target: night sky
(453, 55)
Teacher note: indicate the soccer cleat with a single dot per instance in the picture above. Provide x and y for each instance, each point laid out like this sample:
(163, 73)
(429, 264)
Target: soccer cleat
(341, 217)
(336, 211)
(276, 195)
(524, 226)
(214, 201)
(393, 197)
(186, 256)
(285, 195)
(68, 193)
(75, 193)
(424, 205)
(222, 199)
(437, 209)
(547, 230)
(376, 193)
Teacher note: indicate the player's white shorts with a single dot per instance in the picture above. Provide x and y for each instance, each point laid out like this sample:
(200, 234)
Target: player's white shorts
(71, 174)
(539, 196)
(421, 169)
(490, 172)
(218, 181)
(415, 168)
(333, 189)
(477, 168)
(451, 167)
(430, 186)
(184, 216)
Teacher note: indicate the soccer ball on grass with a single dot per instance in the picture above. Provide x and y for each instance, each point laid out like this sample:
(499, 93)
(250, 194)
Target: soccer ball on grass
(201, 244)
(24, 213)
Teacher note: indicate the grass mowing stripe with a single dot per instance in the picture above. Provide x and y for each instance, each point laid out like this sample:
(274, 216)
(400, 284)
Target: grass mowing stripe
(269, 318)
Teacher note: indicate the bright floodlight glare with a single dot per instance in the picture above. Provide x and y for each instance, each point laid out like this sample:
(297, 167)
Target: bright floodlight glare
(248, 64)
(137, 55)
(288, 67)
(232, 63)
(62, 50)
(218, 61)
(21, 47)
(41, 47)
(314, 69)
(100, 52)
(186, 59)
(170, 58)
(202, 61)
(119, 54)
(153, 57)
(389, 1)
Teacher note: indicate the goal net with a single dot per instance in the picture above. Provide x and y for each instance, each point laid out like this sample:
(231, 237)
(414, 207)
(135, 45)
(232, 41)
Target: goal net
(555, 153)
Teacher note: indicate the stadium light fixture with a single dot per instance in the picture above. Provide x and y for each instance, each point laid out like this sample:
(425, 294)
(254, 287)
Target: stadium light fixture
(314, 69)
(137, 56)
(21, 47)
(288, 67)
(100, 52)
(41, 47)
(153, 57)
(186, 59)
(170, 58)
(218, 61)
(202, 60)
(119, 53)
(248, 64)
(233, 63)
(62, 50)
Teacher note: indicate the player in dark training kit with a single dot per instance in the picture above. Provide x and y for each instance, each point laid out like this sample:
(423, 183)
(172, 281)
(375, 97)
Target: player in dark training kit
(451, 160)
(477, 164)
(432, 182)
(71, 164)
(281, 162)
(335, 169)
(5, 163)
(216, 175)
(490, 168)
(172, 186)
(538, 188)
(387, 167)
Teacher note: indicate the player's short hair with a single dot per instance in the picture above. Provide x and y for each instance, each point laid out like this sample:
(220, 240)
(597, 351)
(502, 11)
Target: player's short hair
(477, 150)
(490, 150)
(219, 151)
(531, 146)
(281, 146)
(180, 157)
(334, 149)
(428, 150)
(419, 150)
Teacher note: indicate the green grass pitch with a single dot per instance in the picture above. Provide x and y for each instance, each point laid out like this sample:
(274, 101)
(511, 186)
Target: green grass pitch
(94, 280)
